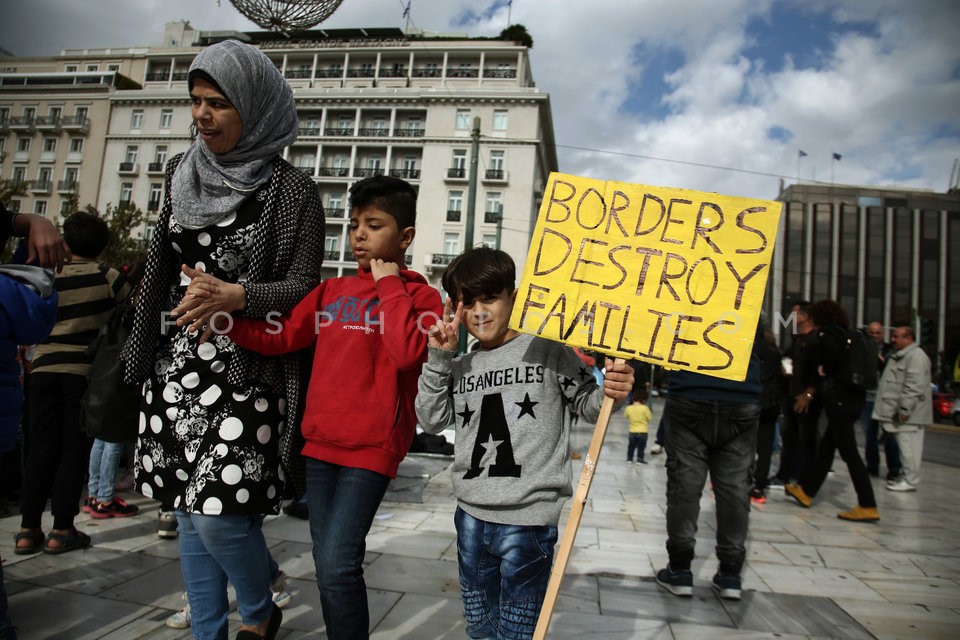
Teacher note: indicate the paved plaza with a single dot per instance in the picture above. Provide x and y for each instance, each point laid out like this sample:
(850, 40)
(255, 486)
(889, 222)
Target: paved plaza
(808, 574)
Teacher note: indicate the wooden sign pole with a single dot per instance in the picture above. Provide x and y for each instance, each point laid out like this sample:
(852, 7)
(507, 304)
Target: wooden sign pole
(573, 522)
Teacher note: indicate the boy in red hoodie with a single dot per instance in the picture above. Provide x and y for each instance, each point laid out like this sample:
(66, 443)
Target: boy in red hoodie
(369, 334)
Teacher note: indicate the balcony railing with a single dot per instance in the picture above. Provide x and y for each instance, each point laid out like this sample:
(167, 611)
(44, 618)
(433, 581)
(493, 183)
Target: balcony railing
(153, 205)
(129, 167)
(495, 174)
(427, 72)
(329, 73)
(48, 122)
(306, 168)
(462, 73)
(4, 124)
(408, 133)
(179, 76)
(75, 123)
(22, 122)
(499, 73)
(67, 186)
(338, 131)
(308, 131)
(366, 172)
(335, 212)
(393, 73)
(442, 258)
(453, 216)
(375, 132)
(407, 174)
(332, 254)
(297, 74)
(40, 186)
(456, 172)
(491, 217)
(336, 172)
(158, 76)
(359, 73)
(155, 167)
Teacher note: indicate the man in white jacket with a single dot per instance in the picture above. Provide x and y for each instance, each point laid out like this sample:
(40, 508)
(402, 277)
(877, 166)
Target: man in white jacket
(903, 405)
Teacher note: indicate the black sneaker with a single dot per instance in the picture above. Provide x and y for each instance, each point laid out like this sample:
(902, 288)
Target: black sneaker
(167, 524)
(116, 508)
(727, 586)
(679, 583)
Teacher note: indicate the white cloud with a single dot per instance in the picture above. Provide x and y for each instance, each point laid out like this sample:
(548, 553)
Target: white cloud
(884, 92)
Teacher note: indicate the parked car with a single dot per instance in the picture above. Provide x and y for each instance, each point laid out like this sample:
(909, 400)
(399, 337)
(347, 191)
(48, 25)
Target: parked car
(943, 405)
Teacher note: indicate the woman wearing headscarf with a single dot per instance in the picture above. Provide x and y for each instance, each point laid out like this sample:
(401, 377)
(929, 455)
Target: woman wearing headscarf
(217, 419)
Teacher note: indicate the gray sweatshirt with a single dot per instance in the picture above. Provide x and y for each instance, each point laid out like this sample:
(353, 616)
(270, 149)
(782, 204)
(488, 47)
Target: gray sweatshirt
(511, 407)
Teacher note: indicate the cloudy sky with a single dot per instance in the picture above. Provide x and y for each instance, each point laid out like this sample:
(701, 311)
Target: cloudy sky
(714, 95)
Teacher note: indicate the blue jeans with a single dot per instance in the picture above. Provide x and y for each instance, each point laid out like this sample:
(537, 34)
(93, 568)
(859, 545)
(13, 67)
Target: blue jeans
(504, 571)
(637, 443)
(871, 450)
(719, 438)
(213, 550)
(104, 458)
(342, 503)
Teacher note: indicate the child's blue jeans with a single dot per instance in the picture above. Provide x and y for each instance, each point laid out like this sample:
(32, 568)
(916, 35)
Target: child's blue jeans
(104, 459)
(637, 443)
(504, 571)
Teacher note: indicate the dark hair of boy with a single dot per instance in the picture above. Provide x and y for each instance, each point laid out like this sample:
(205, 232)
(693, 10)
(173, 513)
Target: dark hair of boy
(86, 235)
(641, 397)
(477, 272)
(393, 195)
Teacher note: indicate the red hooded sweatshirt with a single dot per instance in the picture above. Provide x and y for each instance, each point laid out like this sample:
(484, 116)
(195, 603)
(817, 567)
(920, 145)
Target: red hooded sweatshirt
(371, 343)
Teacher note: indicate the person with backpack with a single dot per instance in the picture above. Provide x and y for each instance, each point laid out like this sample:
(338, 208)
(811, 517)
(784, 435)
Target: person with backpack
(846, 365)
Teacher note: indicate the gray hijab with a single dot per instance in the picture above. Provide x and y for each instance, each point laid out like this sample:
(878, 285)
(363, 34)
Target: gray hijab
(206, 186)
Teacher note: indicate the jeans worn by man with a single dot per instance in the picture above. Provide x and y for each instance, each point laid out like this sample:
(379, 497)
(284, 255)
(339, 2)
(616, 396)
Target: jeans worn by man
(713, 429)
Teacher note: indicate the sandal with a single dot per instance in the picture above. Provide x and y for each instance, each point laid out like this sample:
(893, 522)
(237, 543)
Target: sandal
(34, 536)
(68, 542)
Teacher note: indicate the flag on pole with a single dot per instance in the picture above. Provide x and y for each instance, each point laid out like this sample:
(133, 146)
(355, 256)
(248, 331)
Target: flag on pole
(406, 10)
(801, 153)
(836, 156)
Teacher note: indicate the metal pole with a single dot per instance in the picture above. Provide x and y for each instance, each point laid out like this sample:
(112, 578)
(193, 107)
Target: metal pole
(499, 224)
(472, 185)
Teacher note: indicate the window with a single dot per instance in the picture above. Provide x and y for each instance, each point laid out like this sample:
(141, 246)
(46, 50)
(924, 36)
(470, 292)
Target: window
(132, 152)
(451, 243)
(81, 113)
(76, 145)
(463, 119)
(136, 119)
(379, 124)
(499, 119)
(166, 118)
(29, 113)
(346, 124)
(414, 123)
(373, 163)
(92, 67)
(14, 206)
(19, 174)
(40, 207)
(493, 207)
(65, 207)
(160, 154)
(23, 144)
(126, 193)
(459, 159)
(156, 193)
(335, 202)
(409, 165)
(496, 161)
(455, 201)
(71, 175)
(70, 68)
(113, 67)
(43, 175)
(489, 240)
(331, 246)
(4, 114)
(49, 145)
(54, 113)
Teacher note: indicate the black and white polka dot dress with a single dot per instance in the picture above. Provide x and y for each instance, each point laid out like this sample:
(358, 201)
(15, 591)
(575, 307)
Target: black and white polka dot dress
(205, 445)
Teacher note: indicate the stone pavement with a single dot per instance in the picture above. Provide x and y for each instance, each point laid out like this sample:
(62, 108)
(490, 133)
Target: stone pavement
(809, 575)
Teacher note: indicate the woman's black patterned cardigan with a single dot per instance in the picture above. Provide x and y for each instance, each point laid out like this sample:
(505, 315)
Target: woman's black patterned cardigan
(285, 264)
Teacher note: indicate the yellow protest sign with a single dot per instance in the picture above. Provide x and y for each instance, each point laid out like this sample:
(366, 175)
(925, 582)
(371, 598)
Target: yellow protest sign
(668, 276)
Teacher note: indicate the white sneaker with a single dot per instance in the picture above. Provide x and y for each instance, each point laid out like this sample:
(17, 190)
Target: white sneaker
(180, 619)
(281, 597)
(655, 449)
(901, 485)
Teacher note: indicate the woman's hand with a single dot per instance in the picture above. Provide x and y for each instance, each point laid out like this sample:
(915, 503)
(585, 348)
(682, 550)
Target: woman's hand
(45, 243)
(206, 301)
(443, 334)
(618, 380)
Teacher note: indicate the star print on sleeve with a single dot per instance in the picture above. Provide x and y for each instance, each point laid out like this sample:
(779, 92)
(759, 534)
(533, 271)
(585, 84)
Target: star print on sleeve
(583, 373)
(466, 414)
(567, 383)
(526, 407)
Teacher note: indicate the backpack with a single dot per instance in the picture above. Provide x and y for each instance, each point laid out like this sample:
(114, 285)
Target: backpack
(858, 366)
(110, 408)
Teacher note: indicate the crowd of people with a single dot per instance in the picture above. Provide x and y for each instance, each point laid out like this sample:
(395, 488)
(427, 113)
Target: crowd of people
(236, 343)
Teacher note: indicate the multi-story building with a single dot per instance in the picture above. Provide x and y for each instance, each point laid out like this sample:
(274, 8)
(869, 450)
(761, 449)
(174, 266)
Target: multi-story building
(370, 101)
(885, 254)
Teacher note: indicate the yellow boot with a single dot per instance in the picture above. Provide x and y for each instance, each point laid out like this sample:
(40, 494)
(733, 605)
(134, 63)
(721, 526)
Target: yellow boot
(860, 514)
(796, 492)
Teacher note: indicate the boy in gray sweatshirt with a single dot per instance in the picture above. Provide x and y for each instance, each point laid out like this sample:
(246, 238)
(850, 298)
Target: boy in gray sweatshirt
(509, 402)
